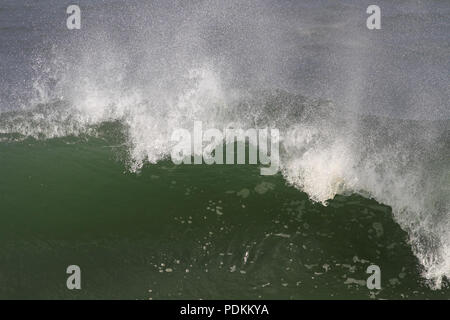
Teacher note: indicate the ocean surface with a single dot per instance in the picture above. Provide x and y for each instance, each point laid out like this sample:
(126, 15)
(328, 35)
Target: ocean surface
(86, 178)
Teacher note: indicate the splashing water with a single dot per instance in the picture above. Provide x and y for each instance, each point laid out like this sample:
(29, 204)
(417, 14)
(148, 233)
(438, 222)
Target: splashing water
(156, 76)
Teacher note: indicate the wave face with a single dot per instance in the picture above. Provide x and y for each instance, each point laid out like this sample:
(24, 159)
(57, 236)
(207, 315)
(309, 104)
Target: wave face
(157, 67)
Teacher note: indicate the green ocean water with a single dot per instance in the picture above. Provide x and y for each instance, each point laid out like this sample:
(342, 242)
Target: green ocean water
(185, 232)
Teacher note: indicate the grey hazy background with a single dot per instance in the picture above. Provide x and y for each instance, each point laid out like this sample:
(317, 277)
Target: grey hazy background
(317, 48)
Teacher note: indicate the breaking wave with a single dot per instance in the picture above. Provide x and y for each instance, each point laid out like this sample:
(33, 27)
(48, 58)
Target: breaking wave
(153, 87)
